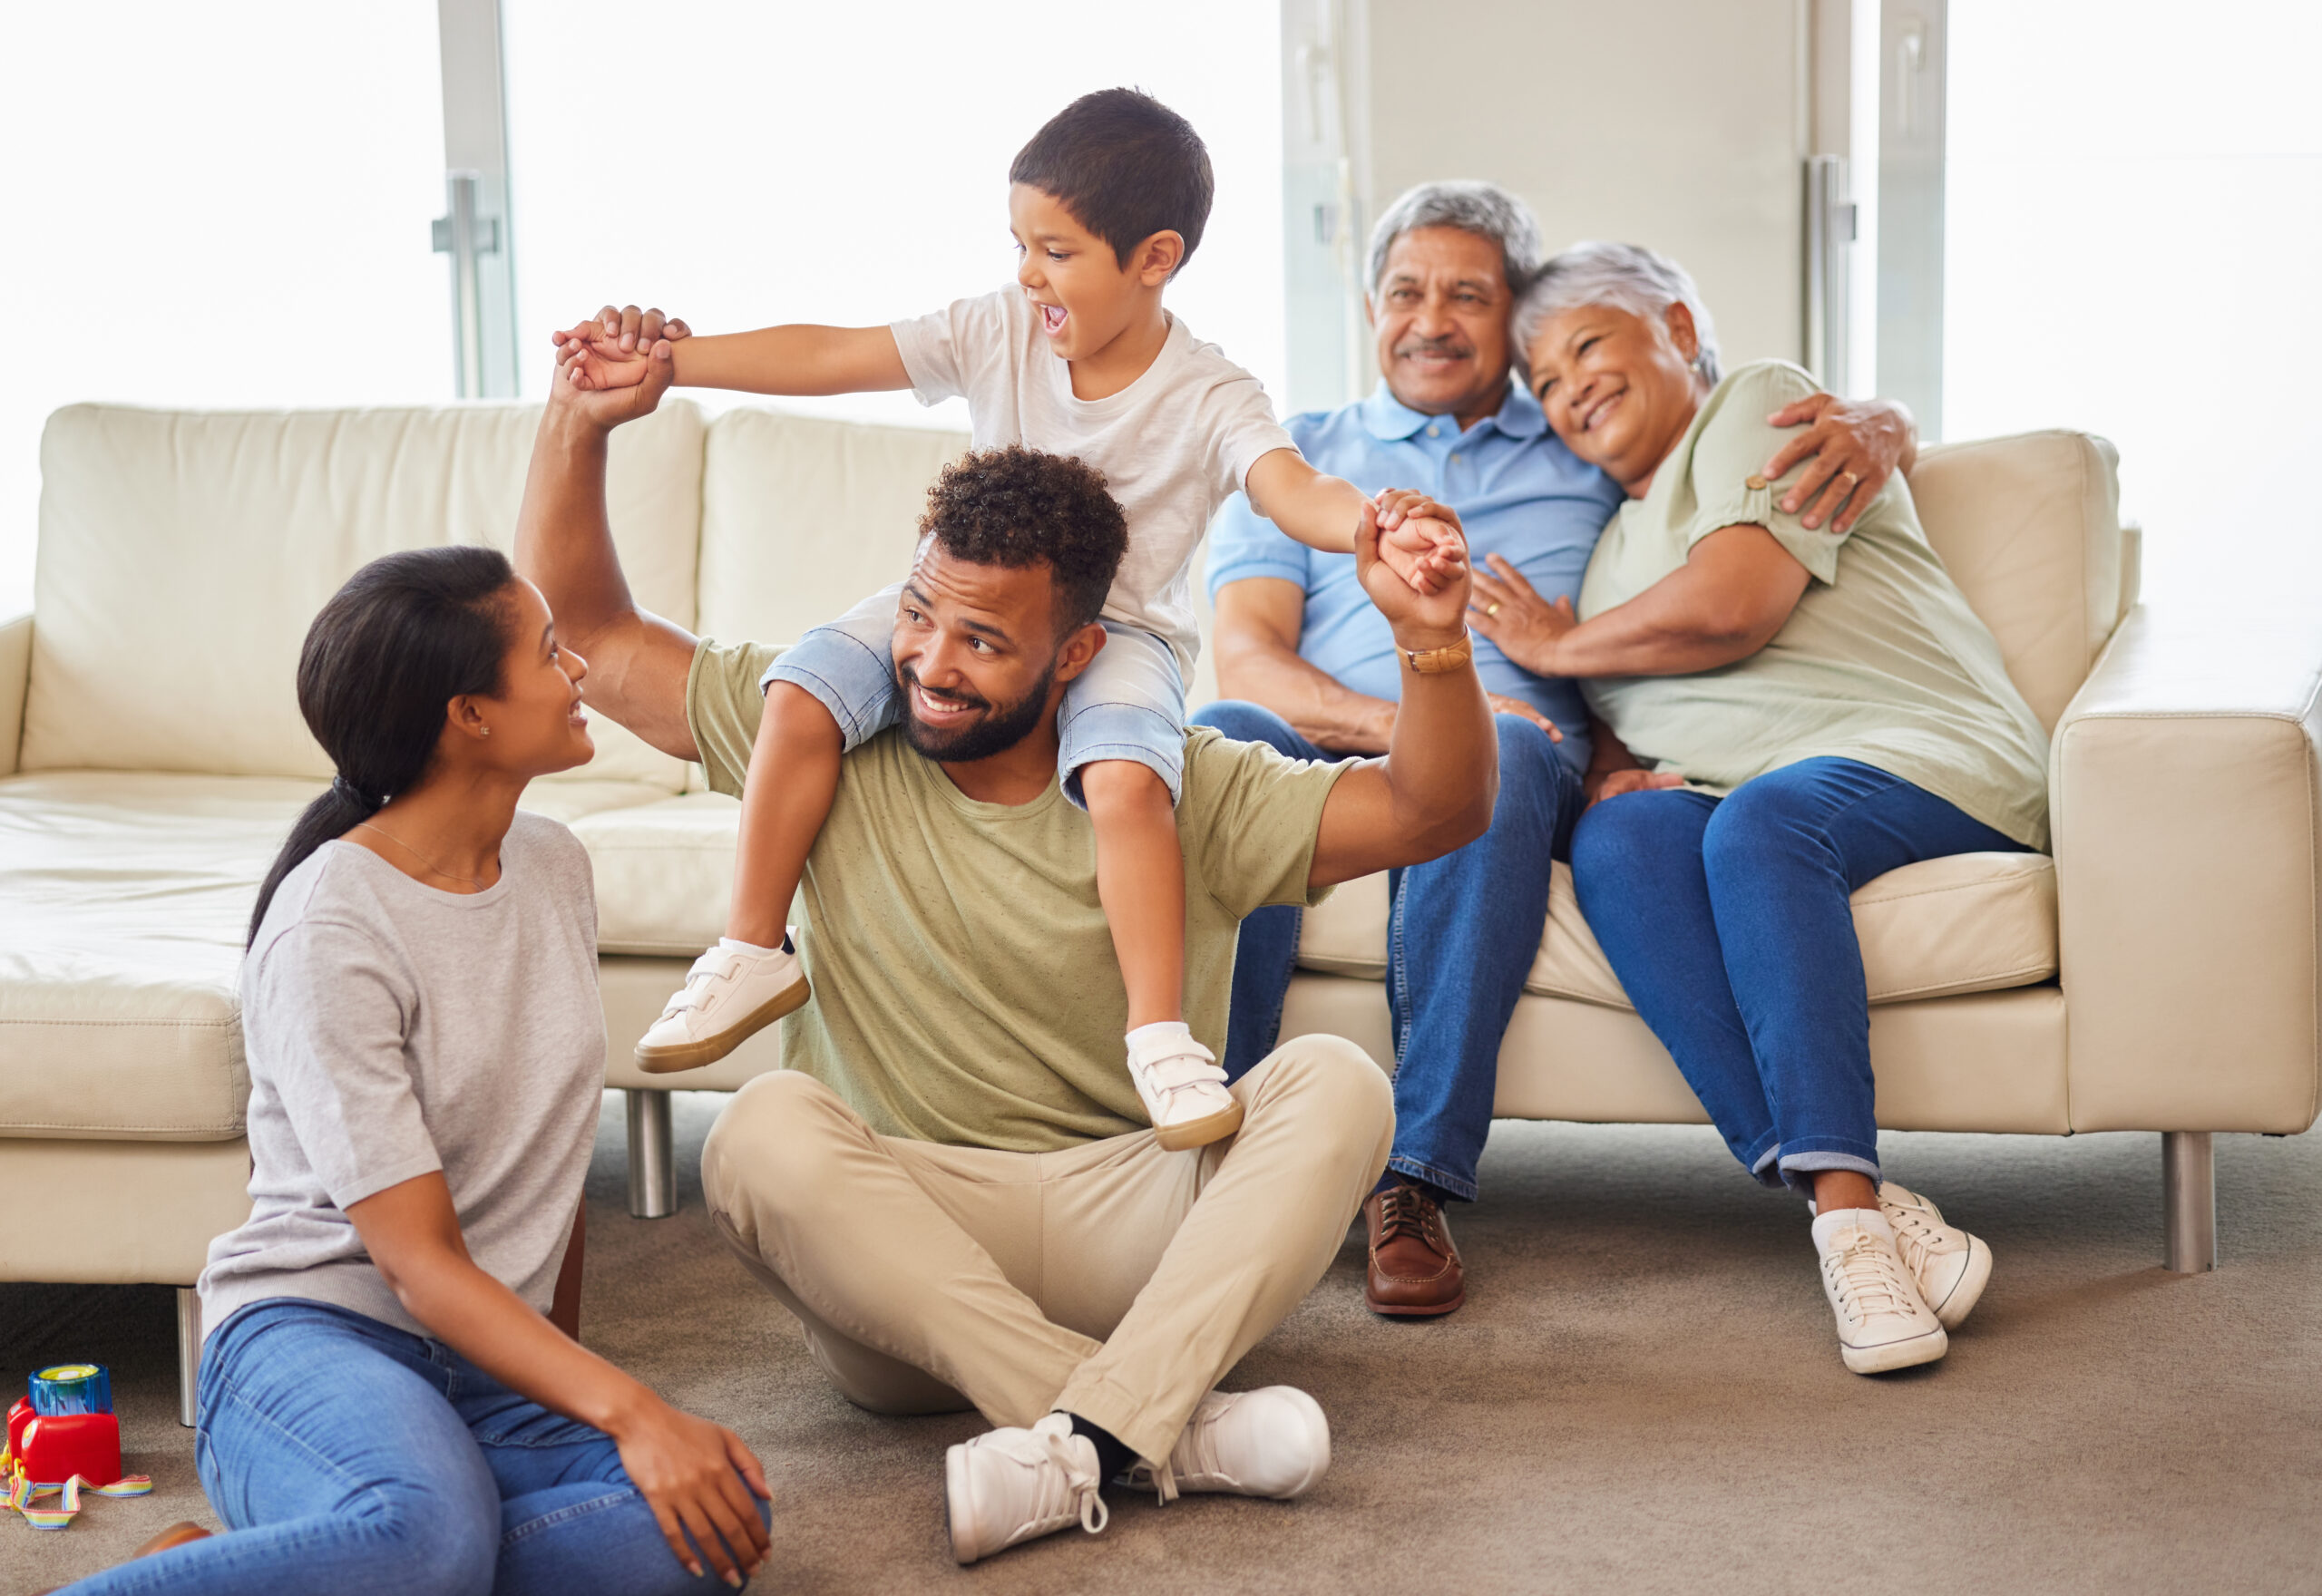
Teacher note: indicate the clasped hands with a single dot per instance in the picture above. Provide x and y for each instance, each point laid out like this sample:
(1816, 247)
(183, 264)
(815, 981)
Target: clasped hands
(614, 348)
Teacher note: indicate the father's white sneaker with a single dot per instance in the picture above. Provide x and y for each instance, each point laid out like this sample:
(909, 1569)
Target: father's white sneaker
(1183, 1088)
(1951, 1267)
(1009, 1485)
(1270, 1441)
(1883, 1323)
(729, 997)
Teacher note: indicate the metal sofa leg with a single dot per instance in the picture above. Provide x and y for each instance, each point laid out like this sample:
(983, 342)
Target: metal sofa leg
(2188, 1193)
(652, 1155)
(189, 1351)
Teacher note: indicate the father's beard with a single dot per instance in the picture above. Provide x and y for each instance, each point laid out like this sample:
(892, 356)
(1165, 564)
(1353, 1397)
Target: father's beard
(1000, 728)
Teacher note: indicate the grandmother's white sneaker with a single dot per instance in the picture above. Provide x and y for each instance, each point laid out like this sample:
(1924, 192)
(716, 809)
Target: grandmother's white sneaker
(1009, 1485)
(1270, 1441)
(1883, 1322)
(1951, 1267)
(730, 995)
(1183, 1088)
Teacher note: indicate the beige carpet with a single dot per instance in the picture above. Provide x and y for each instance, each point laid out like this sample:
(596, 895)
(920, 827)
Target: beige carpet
(1641, 1394)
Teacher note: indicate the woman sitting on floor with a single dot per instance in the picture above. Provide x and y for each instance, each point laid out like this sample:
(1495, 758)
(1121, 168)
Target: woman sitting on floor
(1811, 709)
(385, 1404)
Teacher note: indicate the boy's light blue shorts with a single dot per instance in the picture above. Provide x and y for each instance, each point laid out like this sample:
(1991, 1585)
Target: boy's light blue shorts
(1129, 703)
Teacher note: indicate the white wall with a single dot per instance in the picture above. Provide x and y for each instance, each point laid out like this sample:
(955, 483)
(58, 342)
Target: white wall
(1678, 124)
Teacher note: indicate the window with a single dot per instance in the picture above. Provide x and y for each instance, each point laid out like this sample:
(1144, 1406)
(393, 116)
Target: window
(216, 205)
(229, 204)
(748, 164)
(2134, 240)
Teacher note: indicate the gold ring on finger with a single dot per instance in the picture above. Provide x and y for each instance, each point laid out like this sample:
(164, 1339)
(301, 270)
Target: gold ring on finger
(1491, 609)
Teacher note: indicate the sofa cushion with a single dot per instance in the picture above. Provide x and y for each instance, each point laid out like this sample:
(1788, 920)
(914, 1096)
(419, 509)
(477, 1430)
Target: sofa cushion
(183, 554)
(2030, 528)
(665, 873)
(123, 901)
(1974, 922)
(801, 516)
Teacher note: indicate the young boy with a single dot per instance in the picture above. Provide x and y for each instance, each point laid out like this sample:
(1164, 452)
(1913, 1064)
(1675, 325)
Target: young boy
(1106, 202)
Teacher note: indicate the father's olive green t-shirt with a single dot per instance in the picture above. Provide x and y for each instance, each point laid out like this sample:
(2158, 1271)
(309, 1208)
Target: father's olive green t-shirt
(965, 987)
(1882, 661)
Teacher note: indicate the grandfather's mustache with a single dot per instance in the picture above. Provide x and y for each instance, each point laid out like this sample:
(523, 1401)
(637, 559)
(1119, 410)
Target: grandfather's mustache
(1450, 346)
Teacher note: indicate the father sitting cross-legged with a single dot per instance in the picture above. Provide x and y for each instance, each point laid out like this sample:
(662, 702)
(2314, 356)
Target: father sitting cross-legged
(953, 1185)
(1313, 667)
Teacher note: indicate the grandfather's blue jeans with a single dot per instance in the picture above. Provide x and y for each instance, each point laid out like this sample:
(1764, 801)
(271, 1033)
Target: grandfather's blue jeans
(1728, 923)
(353, 1459)
(1460, 938)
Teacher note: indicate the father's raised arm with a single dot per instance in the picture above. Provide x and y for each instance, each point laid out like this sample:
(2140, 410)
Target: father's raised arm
(1434, 791)
(638, 663)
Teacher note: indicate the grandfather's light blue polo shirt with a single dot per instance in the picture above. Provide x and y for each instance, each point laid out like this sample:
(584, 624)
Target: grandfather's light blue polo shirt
(1520, 494)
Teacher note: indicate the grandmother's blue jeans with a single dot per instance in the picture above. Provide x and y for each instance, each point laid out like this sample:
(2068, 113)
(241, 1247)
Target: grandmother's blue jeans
(1729, 925)
(351, 1458)
(1460, 938)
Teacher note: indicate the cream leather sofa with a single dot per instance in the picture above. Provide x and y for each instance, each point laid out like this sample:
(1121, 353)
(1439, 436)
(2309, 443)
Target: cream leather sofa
(2159, 975)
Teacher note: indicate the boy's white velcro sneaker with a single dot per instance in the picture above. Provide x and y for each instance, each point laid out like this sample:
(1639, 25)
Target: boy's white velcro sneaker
(1009, 1485)
(730, 995)
(1183, 1087)
(1883, 1323)
(1270, 1441)
(1950, 1266)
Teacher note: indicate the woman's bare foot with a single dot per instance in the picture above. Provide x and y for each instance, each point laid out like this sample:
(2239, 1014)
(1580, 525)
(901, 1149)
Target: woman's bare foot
(177, 1535)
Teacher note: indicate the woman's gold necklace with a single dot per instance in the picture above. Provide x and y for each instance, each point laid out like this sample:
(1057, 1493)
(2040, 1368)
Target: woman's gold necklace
(423, 859)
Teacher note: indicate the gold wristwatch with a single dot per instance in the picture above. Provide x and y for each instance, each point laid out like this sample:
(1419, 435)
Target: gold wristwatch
(1429, 662)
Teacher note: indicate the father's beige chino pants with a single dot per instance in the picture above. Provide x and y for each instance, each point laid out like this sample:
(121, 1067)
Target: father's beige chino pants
(1113, 1280)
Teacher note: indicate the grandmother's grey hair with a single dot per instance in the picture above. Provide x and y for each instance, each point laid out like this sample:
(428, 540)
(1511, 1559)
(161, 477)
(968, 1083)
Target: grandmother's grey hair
(1485, 210)
(1639, 280)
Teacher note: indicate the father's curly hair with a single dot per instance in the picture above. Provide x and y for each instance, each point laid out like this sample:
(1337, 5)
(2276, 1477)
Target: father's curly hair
(1016, 507)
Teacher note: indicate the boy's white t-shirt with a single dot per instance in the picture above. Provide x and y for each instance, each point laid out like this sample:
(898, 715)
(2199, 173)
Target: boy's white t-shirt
(1173, 446)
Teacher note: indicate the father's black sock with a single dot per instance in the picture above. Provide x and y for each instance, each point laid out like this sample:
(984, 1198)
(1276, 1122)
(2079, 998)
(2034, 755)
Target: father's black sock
(1113, 1458)
(1395, 1177)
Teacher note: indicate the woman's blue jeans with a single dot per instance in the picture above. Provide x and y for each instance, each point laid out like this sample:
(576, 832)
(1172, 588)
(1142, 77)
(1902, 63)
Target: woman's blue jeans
(1729, 925)
(353, 1459)
(1461, 937)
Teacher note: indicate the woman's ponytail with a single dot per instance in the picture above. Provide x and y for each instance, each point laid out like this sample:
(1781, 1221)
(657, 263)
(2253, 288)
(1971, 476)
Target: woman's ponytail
(409, 633)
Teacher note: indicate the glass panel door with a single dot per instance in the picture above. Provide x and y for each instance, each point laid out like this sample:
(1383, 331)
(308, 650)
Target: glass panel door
(2134, 223)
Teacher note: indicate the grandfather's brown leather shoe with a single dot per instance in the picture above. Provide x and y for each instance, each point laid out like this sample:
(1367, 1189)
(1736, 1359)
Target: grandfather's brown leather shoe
(1415, 1269)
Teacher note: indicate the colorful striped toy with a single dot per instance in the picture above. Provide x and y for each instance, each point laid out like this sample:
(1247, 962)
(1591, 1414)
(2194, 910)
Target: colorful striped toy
(23, 1493)
(74, 1403)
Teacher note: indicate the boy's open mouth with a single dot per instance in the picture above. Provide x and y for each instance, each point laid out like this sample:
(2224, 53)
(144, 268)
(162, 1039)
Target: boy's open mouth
(1051, 319)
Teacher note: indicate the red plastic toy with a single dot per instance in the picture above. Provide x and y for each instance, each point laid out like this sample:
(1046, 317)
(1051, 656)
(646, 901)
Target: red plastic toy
(55, 1446)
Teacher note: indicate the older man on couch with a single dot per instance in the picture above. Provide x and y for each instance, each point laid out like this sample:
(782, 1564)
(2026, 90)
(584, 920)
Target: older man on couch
(1311, 667)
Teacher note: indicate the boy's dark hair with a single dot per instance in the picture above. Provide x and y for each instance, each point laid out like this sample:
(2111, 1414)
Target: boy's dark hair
(1016, 507)
(1126, 167)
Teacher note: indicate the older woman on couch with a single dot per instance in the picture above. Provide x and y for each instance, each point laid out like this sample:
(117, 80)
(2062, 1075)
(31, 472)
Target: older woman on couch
(1792, 712)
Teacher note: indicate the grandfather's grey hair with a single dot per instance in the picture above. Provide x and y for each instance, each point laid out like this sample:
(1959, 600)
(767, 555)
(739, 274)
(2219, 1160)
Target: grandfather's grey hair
(1485, 210)
(1639, 280)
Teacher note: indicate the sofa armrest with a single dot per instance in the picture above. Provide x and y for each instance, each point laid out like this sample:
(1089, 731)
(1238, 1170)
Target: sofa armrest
(2185, 793)
(15, 678)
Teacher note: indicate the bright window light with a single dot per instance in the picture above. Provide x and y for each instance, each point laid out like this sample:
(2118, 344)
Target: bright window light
(2133, 239)
(224, 204)
(741, 164)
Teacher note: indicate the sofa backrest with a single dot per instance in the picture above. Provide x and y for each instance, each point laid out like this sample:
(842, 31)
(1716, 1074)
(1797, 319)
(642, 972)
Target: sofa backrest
(801, 516)
(2030, 526)
(183, 554)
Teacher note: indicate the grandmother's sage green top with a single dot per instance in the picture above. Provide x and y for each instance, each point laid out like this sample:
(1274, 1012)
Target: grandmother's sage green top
(1882, 661)
(965, 987)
